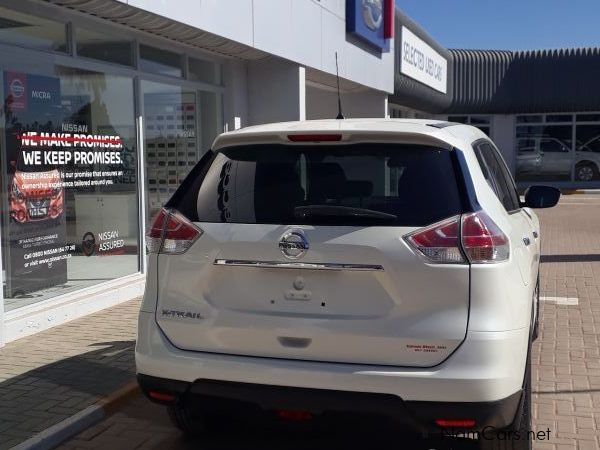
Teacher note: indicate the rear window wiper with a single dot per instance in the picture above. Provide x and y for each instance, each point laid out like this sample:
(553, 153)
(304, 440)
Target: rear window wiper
(340, 211)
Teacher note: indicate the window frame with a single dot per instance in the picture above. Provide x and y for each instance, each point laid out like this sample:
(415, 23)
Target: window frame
(17, 57)
(508, 180)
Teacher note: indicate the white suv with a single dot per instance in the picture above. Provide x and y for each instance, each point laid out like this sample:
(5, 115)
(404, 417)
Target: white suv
(379, 266)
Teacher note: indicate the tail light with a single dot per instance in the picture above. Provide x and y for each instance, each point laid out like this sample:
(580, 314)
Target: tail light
(171, 233)
(473, 237)
(482, 240)
(439, 243)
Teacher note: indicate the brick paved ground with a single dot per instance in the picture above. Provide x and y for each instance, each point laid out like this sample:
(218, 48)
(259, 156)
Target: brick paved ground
(567, 355)
(52, 375)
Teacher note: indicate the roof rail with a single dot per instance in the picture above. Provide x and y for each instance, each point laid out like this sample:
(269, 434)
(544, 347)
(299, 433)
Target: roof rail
(441, 125)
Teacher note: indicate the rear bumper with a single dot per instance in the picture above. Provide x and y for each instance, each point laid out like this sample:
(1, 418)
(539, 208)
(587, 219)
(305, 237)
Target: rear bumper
(417, 416)
(486, 369)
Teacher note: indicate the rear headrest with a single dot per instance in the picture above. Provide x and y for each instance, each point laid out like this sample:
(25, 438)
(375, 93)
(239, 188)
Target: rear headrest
(358, 188)
(327, 181)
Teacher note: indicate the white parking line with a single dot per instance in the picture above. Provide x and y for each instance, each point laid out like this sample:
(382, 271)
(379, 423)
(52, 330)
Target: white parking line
(568, 301)
(572, 203)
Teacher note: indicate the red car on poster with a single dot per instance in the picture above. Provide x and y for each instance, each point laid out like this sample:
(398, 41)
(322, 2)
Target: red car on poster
(35, 196)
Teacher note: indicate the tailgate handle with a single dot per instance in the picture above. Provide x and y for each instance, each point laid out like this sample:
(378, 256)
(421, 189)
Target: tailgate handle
(294, 342)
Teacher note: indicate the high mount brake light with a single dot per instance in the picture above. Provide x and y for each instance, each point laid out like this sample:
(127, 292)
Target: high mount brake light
(171, 233)
(480, 240)
(315, 137)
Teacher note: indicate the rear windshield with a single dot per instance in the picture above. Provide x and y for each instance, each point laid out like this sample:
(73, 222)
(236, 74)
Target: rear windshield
(360, 184)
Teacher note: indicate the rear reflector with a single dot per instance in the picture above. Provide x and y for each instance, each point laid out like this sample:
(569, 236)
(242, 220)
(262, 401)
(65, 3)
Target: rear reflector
(438, 243)
(171, 232)
(294, 416)
(474, 235)
(314, 137)
(161, 397)
(454, 423)
(482, 240)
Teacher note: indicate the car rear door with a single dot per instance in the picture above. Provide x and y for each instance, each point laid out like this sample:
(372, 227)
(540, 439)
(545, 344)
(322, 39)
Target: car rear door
(523, 239)
(302, 256)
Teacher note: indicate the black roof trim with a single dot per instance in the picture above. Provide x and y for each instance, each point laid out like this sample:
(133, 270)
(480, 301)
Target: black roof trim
(441, 125)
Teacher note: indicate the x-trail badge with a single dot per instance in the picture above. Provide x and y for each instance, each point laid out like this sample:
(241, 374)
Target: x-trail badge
(293, 244)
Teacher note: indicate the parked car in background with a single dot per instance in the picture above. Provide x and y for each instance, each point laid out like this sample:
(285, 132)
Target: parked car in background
(376, 266)
(546, 157)
(587, 166)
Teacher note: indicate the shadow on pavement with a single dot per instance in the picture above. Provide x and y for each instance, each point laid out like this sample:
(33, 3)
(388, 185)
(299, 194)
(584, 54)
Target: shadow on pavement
(570, 258)
(40, 398)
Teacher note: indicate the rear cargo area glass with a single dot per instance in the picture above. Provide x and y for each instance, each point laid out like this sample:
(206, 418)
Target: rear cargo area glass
(276, 184)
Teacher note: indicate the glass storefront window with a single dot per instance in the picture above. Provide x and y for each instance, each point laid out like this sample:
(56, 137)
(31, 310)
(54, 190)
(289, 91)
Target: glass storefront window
(458, 119)
(162, 62)
(548, 153)
(204, 71)
(587, 153)
(69, 209)
(588, 117)
(180, 125)
(70, 219)
(481, 122)
(30, 31)
(554, 118)
(104, 47)
(544, 152)
(530, 119)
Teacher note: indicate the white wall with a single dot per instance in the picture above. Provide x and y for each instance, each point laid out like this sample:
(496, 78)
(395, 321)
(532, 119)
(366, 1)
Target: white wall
(276, 91)
(235, 101)
(308, 32)
(322, 103)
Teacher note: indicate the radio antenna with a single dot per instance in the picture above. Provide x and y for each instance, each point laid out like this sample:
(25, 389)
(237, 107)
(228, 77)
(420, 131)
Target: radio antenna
(337, 76)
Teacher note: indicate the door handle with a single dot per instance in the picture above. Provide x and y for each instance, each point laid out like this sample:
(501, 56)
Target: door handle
(526, 241)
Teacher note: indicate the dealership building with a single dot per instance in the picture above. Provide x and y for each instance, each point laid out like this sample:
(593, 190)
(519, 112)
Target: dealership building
(107, 105)
(542, 107)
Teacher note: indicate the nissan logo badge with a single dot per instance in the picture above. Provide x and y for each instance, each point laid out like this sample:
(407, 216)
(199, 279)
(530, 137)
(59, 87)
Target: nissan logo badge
(293, 244)
(372, 13)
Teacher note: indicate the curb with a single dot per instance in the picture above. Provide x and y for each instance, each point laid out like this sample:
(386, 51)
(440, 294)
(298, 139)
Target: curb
(60, 432)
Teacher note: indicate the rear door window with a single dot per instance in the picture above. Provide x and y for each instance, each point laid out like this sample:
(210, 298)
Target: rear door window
(359, 184)
(496, 173)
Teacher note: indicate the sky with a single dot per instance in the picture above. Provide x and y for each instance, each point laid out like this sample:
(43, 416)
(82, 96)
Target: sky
(508, 24)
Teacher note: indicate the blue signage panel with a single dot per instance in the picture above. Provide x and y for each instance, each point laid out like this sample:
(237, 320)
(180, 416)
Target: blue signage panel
(366, 20)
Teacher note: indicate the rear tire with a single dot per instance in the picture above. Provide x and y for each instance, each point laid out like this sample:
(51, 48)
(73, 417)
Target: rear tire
(188, 423)
(501, 439)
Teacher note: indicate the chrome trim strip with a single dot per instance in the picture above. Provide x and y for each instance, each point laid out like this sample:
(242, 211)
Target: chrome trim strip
(299, 265)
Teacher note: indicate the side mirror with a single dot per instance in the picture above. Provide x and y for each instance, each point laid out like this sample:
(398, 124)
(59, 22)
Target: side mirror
(541, 197)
